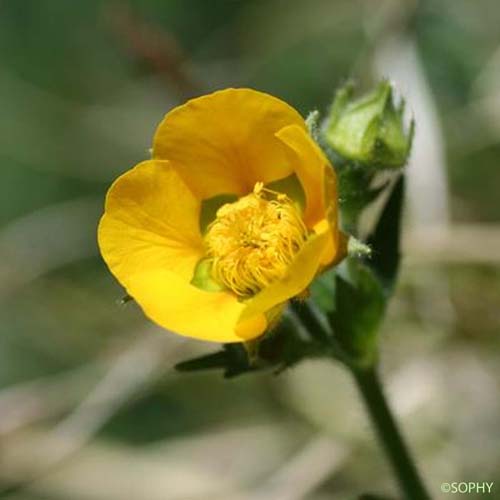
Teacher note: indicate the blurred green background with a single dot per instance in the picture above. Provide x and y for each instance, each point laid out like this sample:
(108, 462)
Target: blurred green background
(90, 407)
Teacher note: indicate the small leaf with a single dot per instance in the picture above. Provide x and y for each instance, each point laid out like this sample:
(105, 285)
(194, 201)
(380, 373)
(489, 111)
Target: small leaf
(232, 359)
(278, 349)
(209, 361)
(384, 241)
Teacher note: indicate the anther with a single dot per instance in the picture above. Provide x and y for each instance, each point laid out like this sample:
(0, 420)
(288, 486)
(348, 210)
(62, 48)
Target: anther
(254, 240)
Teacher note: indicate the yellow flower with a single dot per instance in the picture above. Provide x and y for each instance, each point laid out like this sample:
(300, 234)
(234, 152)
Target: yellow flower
(234, 215)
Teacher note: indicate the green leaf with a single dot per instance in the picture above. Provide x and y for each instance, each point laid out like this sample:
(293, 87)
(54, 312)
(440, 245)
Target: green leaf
(232, 359)
(323, 291)
(355, 193)
(207, 362)
(282, 347)
(384, 240)
(359, 308)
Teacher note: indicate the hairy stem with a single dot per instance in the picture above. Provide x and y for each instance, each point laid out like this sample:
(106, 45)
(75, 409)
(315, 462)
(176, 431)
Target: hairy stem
(389, 435)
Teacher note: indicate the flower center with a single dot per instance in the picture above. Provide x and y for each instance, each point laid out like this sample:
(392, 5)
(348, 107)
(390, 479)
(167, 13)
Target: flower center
(253, 241)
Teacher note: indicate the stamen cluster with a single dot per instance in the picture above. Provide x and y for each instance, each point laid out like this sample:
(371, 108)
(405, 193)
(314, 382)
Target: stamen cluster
(253, 241)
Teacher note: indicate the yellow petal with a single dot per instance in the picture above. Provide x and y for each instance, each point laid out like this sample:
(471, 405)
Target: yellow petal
(149, 236)
(319, 182)
(150, 222)
(309, 164)
(300, 274)
(225, 142)
(174, 304)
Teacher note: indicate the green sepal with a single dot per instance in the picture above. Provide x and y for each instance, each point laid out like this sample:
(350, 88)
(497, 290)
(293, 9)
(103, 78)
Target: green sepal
(312, 124)
(202, 277)
(356, 248)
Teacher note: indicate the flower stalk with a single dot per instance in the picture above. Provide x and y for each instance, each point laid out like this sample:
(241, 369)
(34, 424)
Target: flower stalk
(386, 428)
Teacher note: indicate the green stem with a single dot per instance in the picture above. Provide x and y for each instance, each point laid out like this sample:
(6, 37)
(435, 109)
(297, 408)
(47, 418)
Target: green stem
(389, 435)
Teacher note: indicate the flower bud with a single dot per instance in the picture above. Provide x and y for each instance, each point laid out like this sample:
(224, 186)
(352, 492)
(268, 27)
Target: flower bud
(369, 129)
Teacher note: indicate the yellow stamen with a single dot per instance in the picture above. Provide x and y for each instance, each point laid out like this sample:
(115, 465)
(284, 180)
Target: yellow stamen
(253, 240)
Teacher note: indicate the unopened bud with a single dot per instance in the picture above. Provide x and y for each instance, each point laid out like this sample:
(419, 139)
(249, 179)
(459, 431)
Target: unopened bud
(370, 129)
